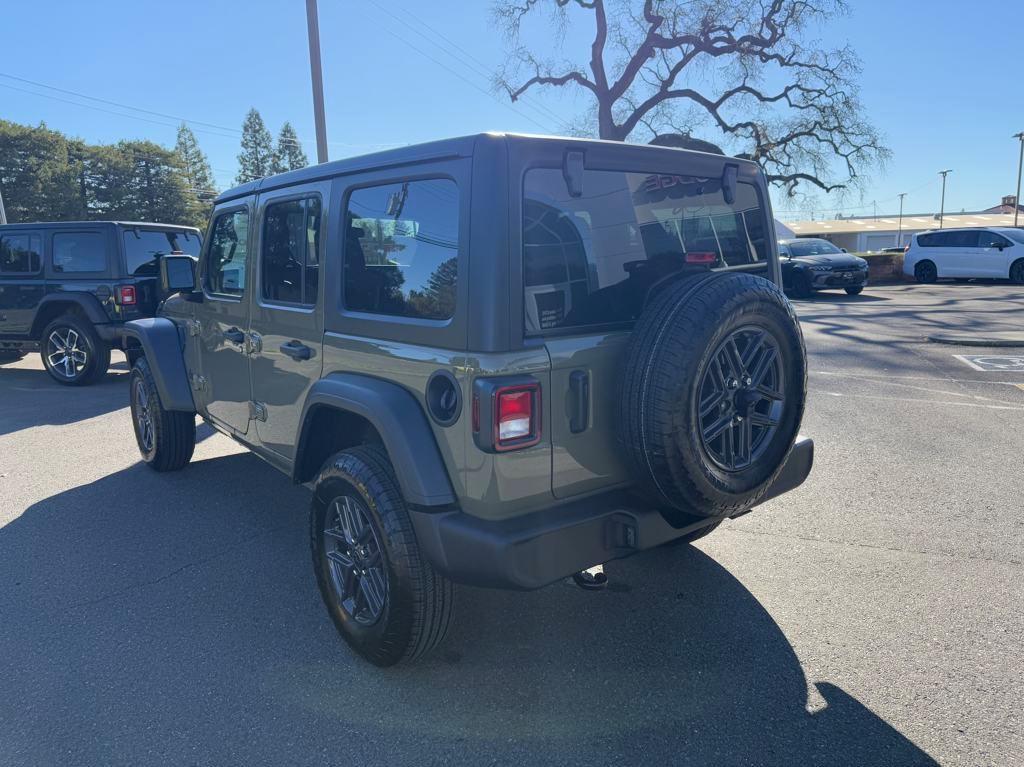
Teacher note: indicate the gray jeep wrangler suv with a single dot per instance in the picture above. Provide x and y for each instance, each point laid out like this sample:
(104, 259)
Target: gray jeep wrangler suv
(498, 360)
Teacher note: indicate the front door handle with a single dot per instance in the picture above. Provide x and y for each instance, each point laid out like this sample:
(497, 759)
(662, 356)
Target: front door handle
(234, 335)
(297, 350)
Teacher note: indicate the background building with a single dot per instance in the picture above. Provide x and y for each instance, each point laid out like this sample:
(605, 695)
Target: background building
(876, 233)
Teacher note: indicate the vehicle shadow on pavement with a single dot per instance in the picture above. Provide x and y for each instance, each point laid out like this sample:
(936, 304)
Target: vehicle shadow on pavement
(174, 618)
(23, 389)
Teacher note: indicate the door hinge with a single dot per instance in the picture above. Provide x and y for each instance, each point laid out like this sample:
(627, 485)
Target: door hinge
(257, 411)
(194, 328)
(198, 382)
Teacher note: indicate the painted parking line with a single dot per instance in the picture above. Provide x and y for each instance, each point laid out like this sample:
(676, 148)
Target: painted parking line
(993, 363)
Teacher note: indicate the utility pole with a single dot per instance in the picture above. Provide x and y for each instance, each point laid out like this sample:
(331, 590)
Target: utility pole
(942, 206)
(1016, 200)
(313, 29)
(3, 213)
(899, 233)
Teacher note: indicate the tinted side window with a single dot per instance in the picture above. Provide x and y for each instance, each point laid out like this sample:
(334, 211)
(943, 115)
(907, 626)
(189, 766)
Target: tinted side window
(228, 254)
(592, 259)
(79, 252)
(992, 240)
(143, 248)
(934, 240)
(20, 253)
(963, 239)
(290, 251)
(401, 249)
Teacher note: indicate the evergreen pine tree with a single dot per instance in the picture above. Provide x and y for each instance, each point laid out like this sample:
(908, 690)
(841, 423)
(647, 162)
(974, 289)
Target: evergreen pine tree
(288, 154)
(196, 166)
(257, 153)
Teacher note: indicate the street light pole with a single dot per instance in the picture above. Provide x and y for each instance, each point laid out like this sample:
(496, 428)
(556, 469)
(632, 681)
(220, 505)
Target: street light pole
(942, 206)
(3, 213)
(899, 232)
(1020, 165)
(313, 30)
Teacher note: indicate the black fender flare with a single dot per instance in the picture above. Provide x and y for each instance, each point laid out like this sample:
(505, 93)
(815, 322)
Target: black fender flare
(89, 305)
(399, 419)
(162, 345)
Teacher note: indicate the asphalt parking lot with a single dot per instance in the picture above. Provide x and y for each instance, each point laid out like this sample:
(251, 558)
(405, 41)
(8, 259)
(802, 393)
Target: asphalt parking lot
(872, 617)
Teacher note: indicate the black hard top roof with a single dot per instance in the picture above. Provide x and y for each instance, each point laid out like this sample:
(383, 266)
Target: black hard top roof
(123, 224)
(434, 150)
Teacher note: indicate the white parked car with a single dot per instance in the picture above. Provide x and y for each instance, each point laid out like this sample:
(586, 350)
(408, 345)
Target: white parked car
(966, 253)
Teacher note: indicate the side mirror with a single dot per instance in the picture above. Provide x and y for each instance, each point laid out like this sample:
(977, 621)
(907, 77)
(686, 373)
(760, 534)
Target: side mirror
(178, 274)
(844, 250)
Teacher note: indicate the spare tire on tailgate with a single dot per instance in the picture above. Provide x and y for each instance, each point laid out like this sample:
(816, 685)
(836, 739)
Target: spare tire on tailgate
(712, 393)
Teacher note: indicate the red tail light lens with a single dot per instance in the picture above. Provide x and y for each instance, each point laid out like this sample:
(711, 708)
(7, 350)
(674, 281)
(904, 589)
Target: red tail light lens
(517, 417)
(126, 295)
(701, 257)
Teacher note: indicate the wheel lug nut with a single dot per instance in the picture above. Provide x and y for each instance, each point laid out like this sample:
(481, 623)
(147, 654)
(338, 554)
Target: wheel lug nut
(732, 383)
(747, 380)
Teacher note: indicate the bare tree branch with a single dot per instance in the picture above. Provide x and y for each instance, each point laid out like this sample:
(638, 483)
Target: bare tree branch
(809, 129)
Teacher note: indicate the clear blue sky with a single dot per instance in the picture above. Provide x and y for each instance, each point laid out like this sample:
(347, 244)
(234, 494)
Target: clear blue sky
(943, 81)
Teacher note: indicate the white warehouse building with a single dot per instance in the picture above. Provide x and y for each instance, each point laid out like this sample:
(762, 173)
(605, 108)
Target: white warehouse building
(865, 235)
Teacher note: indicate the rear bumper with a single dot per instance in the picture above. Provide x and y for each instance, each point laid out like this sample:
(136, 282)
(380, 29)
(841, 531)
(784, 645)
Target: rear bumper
(540, 548)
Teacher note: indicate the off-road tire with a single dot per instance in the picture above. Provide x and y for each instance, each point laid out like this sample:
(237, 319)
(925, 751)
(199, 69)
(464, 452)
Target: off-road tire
(96, 351)
(170, 440)
(855, 291)
(419, 603)
(926, 272)
(1017, 272)
(675, 354)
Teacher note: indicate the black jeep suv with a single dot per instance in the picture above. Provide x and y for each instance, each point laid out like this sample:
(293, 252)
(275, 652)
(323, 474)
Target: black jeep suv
(67, 288)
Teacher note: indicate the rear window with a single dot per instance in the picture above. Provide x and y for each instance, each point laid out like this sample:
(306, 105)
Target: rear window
(593, 259)
(75, 252)
(964, 239)
(143, 248)
(401, 249)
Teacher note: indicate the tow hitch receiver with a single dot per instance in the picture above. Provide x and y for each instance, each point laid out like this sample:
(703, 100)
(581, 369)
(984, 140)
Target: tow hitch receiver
(591, 579)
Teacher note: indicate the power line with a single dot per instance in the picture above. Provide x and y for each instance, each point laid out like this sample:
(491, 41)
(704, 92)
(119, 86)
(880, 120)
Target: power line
(479, 68)
(465, 79)
(208, 128)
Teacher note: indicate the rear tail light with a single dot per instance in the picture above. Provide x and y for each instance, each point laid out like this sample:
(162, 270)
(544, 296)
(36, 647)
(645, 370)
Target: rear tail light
(701, 257)
(506, 413)
(126, 295)
(906, 248)
(515, 415)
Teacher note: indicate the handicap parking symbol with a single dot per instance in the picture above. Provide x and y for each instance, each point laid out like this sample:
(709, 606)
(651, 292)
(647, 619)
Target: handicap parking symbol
(989, 363)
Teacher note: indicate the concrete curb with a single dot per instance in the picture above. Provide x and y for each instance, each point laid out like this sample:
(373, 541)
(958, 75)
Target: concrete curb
(961, 340)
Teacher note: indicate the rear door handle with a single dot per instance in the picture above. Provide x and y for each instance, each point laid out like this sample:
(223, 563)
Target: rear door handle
(234, 335)
(297, 350)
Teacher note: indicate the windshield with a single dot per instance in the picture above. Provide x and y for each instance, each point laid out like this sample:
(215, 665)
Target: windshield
(142, 248)
(812, 247)
(592, 259)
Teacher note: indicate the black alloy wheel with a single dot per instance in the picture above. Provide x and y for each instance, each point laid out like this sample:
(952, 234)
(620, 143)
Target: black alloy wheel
(358, 575)
(741, 398)
(926, 272)
(1017, 272)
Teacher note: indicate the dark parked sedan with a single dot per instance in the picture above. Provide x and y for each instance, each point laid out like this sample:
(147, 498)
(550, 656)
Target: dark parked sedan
(810, 265)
